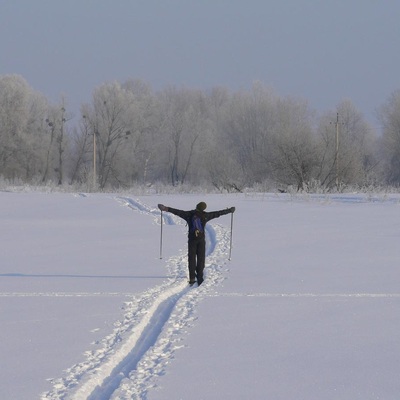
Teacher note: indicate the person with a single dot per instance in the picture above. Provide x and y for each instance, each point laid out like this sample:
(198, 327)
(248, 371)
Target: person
(196, 220)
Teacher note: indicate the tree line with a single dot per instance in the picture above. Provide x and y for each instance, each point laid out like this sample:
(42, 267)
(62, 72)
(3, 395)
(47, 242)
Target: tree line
(130, 134)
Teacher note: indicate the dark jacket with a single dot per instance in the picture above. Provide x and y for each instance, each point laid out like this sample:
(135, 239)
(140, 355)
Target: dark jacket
(204, 217)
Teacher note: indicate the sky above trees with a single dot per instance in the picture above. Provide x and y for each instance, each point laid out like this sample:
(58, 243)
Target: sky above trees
(321, 51)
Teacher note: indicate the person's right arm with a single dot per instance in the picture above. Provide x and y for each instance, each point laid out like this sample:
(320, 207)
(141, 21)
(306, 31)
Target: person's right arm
(180, 213)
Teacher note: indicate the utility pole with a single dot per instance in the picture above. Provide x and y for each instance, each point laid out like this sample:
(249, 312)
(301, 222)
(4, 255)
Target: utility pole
(94, 161)
(60, 147)
(337, 150)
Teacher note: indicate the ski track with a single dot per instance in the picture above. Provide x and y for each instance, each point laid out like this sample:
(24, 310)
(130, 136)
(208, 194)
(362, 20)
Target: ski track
(129, 360)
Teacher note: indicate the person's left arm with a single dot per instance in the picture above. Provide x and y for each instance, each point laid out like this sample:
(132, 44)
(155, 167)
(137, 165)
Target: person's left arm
(215, 214)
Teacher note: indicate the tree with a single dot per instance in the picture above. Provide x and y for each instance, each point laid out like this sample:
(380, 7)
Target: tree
(110, 119)
(22, 113)
(82, 151)
(389, 116)
(248, 130)
(223, 170)
(56, 142)
(183, 122)
(294, 155)
(140, 152)
(347, 161)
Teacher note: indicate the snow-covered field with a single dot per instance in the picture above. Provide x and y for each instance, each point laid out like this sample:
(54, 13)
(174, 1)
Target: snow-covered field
(307, 308)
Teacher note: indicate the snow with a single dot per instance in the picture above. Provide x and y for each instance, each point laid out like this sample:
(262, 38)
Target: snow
(307, 308)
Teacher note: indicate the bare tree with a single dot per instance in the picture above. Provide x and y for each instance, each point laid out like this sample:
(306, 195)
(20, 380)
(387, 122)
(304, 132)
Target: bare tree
(52, 128)
(82, 151)
(294, 157)
(182, 126)
(345, 147)
(22, 113)
(140, 151)
(248, 130)
(56, 142)
(389, 116)
(109, 118)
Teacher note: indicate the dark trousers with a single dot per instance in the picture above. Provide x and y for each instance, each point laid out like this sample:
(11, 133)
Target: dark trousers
(197, 258)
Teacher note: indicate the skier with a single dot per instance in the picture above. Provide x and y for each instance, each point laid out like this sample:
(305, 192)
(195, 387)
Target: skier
(196, 220)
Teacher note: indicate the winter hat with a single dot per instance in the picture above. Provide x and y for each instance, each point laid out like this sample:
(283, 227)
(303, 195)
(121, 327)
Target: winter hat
(201, 206)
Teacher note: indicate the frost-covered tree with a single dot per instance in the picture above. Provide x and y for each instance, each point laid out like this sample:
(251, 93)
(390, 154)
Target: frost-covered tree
(140, 152)
(389, 116)
(55, 143)
(110, 120)
(294, 157)
(182, 132)
(22, 114)
(81, 154)
(345, 147)
(248, 130)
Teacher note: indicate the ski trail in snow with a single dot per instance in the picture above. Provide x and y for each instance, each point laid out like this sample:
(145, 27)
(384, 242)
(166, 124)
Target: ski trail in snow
(109, 374)
(140, 347)
(136, 205)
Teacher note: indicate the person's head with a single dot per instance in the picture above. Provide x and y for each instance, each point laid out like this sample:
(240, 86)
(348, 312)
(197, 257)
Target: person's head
(201, 206)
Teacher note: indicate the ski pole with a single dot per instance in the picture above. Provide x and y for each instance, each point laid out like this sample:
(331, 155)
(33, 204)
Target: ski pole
(230, 246)
(161, 237)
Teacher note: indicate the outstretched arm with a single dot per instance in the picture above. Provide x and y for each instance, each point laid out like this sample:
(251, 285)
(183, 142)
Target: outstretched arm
(179, 213)
(216, 214)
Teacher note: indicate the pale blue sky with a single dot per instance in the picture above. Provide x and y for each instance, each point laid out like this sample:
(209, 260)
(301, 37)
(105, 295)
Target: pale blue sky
(323, 51)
